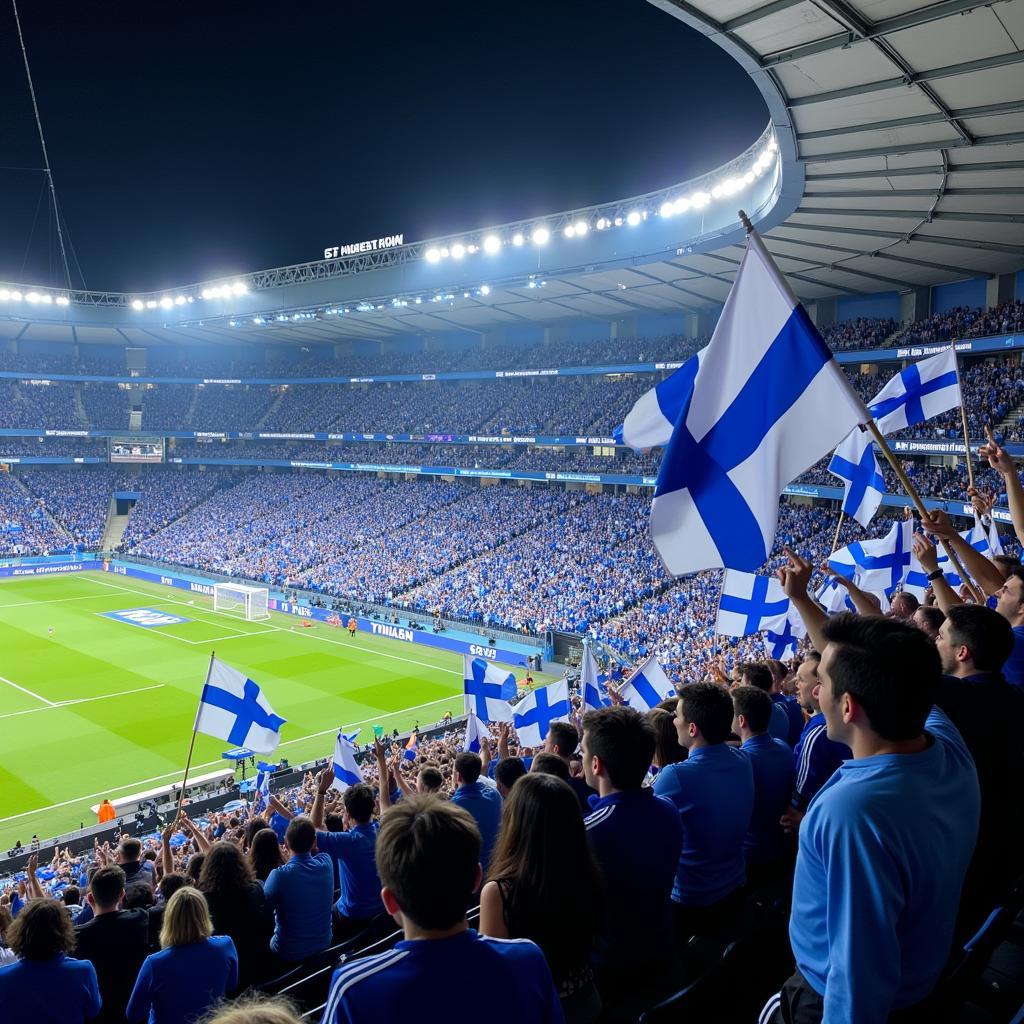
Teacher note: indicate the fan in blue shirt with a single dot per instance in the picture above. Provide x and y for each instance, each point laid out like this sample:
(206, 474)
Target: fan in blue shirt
(482, 802)
(1010, 604)
(713, 792)
(428, 854)
(759, 675)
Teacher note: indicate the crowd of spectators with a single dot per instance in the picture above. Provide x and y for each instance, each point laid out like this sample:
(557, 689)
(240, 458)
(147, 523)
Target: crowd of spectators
(78, 499)
(861, 332)
(25, 528)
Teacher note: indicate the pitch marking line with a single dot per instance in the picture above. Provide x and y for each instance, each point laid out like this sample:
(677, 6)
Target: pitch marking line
(56, 600)
(311, 636)
(49, 703)
(220, 761)
(82, 700)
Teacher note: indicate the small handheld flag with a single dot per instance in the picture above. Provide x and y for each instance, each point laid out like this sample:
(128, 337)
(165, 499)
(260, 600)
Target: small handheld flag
(534, 714)
(347, 772)
(750, 604)
(233, 708)
(410, 747)
(475, 732)
(592, 688)
(856, 464)
(921, 391)
(647, 686)
(488, 690)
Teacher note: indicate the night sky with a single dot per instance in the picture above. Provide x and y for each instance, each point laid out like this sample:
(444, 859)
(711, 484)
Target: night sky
(193, 140)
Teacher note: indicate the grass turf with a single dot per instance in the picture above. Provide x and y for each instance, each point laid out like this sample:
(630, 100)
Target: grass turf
(105, 707)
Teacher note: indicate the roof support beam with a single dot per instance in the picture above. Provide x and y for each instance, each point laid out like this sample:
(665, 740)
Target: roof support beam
(939, 117)
(906, 172)
(976, 218)
(911, 236)
(913, 147)
(761, 13)
(899, 193)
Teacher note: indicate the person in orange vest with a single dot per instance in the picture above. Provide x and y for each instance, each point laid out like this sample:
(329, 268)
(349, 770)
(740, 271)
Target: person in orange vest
(106, 812)
(352, 627)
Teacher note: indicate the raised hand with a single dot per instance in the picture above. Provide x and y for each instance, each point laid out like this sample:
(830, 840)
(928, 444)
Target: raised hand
(796, 576)
(924, 552)
(997, 456)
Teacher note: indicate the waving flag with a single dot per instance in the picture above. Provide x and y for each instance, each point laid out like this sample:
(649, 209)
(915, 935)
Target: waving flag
(650, 422)
(918, 393)
(592, 687)
(876, 564)
(411, 747)
(856, 464)
(768, 401)
(750, 604)
(475, 732)
(488, 690)
(534, 714)
(916, 581)
(233, 708)
(995, 542)
(783, 643)
(647, 686)
(262, 791)
(347, 772)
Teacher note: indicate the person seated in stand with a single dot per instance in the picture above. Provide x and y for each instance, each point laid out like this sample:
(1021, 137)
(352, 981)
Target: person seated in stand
(45, 986)
(428, 857)
(482, 802)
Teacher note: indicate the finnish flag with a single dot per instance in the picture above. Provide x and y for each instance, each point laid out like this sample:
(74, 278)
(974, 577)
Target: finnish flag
(475, 732)
(856, 464)
(592, 688)
(488, 690)
(995, 542)
(768, 401)
(534, 714)
(918, 393)
(876, 564)
(650, 422)
(783, 643)
(347, 772)
(262, 790)
(750, 604)
(834, 597)
(233, 708)
(647, 686)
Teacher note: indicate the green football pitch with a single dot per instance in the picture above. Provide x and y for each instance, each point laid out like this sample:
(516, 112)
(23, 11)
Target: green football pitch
(104, 707)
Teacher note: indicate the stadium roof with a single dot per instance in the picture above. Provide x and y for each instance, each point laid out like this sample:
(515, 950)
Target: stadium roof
(899, 129)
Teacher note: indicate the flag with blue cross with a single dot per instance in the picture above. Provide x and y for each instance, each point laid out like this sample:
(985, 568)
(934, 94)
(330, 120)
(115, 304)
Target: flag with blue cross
(233, 708)
(856, 464)
(784, 643)
(877, 564)
(488, 690)
(750, 604)
(534, 714)
(921, 391)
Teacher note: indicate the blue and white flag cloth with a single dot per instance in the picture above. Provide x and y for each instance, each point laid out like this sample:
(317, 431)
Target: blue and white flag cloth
(834, 597)
(475, 732)
(649, 424)
(783, 643)
(750, 604)
(856, 464)
(262, 791)
(921, 391)
(995, 542)
(876, 565)
(592, 688)
(233, 708)
(534, 714)
(347, 772)
(488, 690)
(768, 401)
(647, 686)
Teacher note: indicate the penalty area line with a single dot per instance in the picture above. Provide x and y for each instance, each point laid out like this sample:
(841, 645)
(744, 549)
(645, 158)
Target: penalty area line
(82, 700)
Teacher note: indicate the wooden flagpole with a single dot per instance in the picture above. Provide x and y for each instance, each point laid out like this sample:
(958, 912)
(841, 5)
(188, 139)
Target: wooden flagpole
(191, 747)
(839, 526)
(963, 420)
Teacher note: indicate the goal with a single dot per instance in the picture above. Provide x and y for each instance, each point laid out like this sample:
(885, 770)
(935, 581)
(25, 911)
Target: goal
(245, 602)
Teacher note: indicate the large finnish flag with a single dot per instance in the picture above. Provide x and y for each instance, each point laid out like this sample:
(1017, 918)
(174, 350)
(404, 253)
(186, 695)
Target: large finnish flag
(649, 424)
(488, 690)
(750, 604)
(232, 708)
(877, 565)
(647, 686)
(768, 401)
(592, 688)
(534, 714)
(347, 772)
(918, 393)
(856, 464)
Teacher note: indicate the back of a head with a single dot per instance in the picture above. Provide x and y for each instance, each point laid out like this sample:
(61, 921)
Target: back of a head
(428, 855)
(667, 749)
(550, 764)
(564, 737)
(624, 742)
(265, 853)
(107, 886)
(508, 770)
(41, 930)
(890, 667)
(756, 673)
(755, 705)
(130, 850)
(225, 870)
(300, 835)
(359, 802)
(186, 919)
(469, 766)
(254, 1008)
(430, 780)
(170, 884)
(929, 617)
(709, 707)
(71, 896)
(138, 896)
(984, 632)
(778, 671)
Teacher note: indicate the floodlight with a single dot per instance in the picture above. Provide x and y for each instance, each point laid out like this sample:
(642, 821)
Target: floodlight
(517, 238)
(166, 302)
(151, 304)
(138, 304)
(633, 218)
(570, 231)
(492, 244)
(602, 223)
(180, 300)
(667, 209)
(458, 251)
(618, 222)
(717, 190)
(472, 249)
(240, 288)
(46, 299)
(748, 178)
(63, 300)
(699, 200)
(582, 227)
(207, 293)
(444, 252)
(485, 289)
(4, 294)
(32, 297)
(681, 205)
(433, 254)
(541, 235)
(16, 295)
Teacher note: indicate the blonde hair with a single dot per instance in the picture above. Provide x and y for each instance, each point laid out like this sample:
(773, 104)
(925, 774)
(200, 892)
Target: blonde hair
(254, 1009)
(186, 919)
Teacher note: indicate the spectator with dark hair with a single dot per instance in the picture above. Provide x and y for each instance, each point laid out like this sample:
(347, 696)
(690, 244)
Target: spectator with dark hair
(636, 837)
(551, 764)
(563, 741)
(482, 802)
(903, 606)
(666, 740)
(507, 772)
(428, 856)
(1010, 604)
(6, 953)
(713, 792)
(45, 986)
(772, 763)
(168, 885)
(544, 885)
(71, 897)
(300, 893)
(886, 842)
(115, 941)
(759, 675)
(929, 619)
(238, 908)
(429, 780)
(131, 862)
(193, 970)
(353, 850)
(264, 854)
(789, 704)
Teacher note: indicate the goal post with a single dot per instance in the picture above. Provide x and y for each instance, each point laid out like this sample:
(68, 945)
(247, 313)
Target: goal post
(241, 601)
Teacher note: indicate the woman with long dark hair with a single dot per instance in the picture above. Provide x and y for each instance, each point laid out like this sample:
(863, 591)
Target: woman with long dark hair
(265, 854)
(543, 884)
(666, 747)
(238, 908)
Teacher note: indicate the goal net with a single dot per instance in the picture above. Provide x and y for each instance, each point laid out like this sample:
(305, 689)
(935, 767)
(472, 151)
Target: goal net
(241, 601)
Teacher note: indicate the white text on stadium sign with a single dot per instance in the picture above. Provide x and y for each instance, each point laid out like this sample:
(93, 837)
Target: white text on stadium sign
(371, 245)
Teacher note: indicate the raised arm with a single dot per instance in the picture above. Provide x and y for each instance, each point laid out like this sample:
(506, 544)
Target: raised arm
(202, 842)
(166, 856)
(32, 887)
(1004, 466)
(382, 774)
(795, 579)
(865, 603)
(925, 553)
(980, 568)
(323, 783)
(396, 773)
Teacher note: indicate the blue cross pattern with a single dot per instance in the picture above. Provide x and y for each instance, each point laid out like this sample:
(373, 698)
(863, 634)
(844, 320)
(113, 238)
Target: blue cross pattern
(784, 373)
(915, 390)
(542, 714)
(895, 561)
(476, 687)
(645, 688)
(781, 642)
(756, 608)
(246, 710)
(860, 476)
